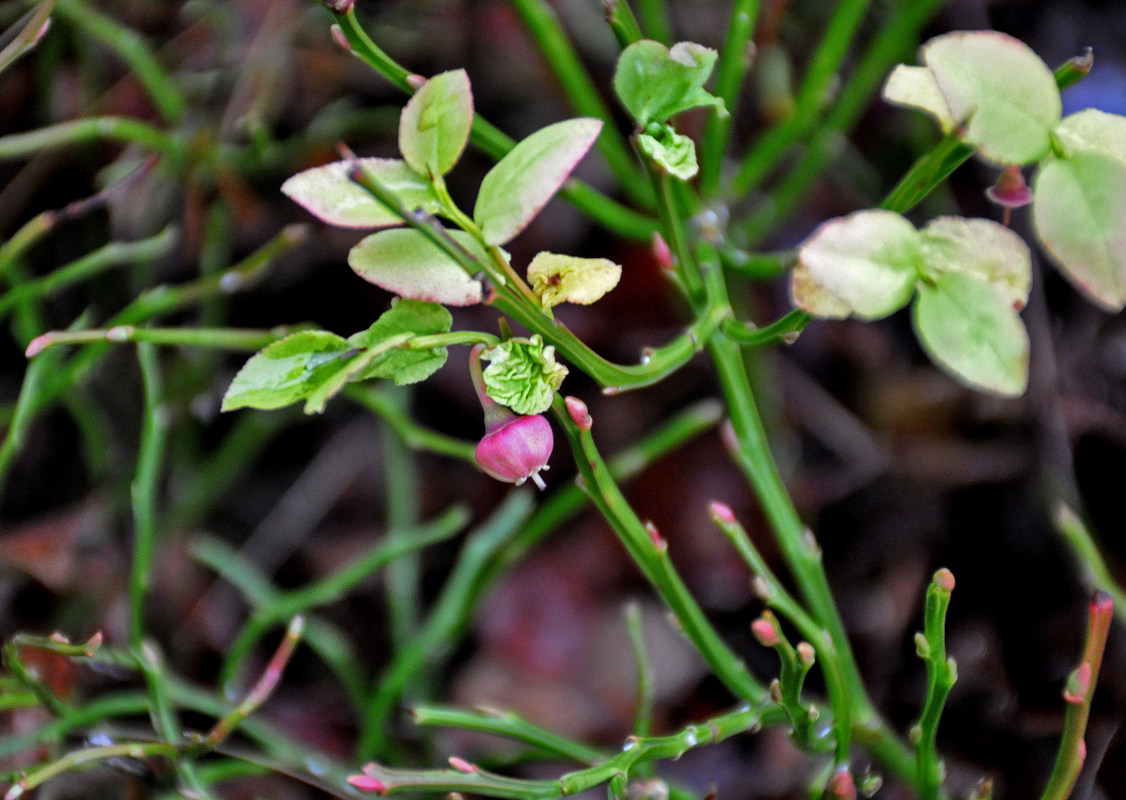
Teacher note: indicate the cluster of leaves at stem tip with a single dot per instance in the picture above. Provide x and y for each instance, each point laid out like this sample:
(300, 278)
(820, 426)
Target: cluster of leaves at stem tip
(429, 265)
(967, 279)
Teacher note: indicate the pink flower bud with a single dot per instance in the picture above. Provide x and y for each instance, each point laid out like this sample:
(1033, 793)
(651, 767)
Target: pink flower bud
(1010, 191)
(516, 450)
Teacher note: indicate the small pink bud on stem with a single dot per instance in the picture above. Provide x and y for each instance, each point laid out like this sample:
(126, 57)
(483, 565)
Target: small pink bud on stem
(841, 785)
(416, 81)
(461, 765)
(766, 631)
(368, 782)
(340, 39)
(662, 252)
(1010, 190)
(579, 413)
(721, 512)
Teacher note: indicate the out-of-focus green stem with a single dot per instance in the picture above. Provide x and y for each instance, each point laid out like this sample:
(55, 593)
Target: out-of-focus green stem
(509, 726)
(133, 50)
(1093, 568)
(734, 60)
(810, 99)
(445, 624)
(654, 19)
(543, 23)
(646, 688)
(402, 576)
(622, 22)
(414, 435)
(106, 257)
(891, 44)
(154, 435)
(35, 24)
(785, 329)
(89, 129)
(241, 339)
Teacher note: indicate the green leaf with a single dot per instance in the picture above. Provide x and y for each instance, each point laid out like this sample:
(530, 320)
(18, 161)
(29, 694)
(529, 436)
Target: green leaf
(435, 123)
(982, 248)
(674, 152)
(810, 296)
(327, 193)
(1003, 94)
(869, 261)
(405, 262)
(402, 365)
(1094, 130)
(655, 83)
(559, 279)
(522, 182)
(286, 371)
(972, 331)
(523, 375)
(1079, 209)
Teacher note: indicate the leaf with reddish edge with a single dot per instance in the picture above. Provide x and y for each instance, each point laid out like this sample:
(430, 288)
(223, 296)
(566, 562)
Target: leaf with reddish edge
(983, 248)
(992, 84)
(522, 182)
(405, 262)
(331, 196)
(1080, 216)
(868, 261)
(435, 123)
(971, 330)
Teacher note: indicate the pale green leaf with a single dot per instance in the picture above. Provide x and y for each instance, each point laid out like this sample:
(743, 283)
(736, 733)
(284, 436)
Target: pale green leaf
(982, 248)
(1095, 130)
(435, 123)
(404, 366)
(405, 262)
(973, 332)
(869, 261)
(673, 152)
(559, 279)
(993, 85)
(812, 297)
(327, 193)
(286, 371)
(522, 182)
(523, 374)
(655, 82)
(916, 87)
(1079, 210)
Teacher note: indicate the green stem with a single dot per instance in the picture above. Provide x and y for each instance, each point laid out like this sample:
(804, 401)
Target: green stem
(941, 674)
(240, 339)
(654, 20)
(1093, 567)
(543, 23)
(89, 755)
(785, 330)
(650, 553)
(446, 622)
(1079, 693)
(153, 438)
(414, 435)
(32, 26)
(106, 257)
(133, 50)
(90, 129)
(734, 61)
(646, 688)
(507, 725)
(622, 22)
(402, 576)
(810, 99)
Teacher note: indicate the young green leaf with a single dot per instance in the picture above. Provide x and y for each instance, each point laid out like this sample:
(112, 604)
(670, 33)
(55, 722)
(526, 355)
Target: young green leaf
(327, 193)
(982, 248)
(405, 262)
(435, 123)
(522, 182)
(559, 279)
(523, 375)
(1003, 94)
(869, 261)
(1079, 210)
(286, 371)
(971, 330)
(673, 152)
(812, 297)
(655, 82)
(402, 365)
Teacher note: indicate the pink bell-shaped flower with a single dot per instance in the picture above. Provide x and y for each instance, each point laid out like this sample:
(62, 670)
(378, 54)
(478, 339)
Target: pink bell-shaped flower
(514, 448)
